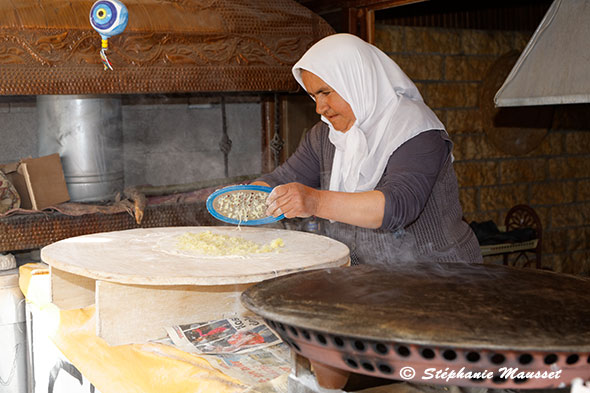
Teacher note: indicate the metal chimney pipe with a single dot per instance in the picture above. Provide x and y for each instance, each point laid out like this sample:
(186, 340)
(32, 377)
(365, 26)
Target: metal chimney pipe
(86, 131)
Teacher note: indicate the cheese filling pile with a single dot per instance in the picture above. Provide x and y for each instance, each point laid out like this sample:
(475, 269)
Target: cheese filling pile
(242, 205)
(210, 243)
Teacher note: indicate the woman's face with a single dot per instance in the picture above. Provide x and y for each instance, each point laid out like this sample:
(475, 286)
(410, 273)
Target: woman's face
(328, 103)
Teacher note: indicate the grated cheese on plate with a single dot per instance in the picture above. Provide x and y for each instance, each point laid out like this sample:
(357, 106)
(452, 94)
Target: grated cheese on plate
(210, 243)
(242, 205)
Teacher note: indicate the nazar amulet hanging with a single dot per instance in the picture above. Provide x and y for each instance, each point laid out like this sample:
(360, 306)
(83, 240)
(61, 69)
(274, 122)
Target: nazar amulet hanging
(108, 18)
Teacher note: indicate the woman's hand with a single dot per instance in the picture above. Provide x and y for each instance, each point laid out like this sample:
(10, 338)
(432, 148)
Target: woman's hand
(293, 200)
(364, 209)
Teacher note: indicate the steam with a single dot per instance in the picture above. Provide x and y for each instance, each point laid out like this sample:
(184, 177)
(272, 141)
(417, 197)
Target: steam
(403, 253)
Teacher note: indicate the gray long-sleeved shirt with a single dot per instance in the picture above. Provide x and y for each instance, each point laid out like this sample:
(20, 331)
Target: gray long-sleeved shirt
(407, 182)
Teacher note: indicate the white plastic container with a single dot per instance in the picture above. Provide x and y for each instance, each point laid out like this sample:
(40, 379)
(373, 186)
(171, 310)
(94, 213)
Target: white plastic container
(13, 340)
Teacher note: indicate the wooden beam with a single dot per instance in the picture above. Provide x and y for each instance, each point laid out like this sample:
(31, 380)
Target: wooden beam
(352, 23)
(358, 16)
(376, 5)
(367, 25)
(323, 6)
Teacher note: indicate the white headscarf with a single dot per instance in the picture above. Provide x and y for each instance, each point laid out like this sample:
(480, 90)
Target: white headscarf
(388, 108)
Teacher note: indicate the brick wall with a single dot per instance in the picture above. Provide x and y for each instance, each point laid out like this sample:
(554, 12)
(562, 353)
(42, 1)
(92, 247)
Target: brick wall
(448, 66)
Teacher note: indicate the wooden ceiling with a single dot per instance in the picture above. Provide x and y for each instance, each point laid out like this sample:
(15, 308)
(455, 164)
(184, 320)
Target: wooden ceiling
(321, 6)
(353, 16)
(359, 16)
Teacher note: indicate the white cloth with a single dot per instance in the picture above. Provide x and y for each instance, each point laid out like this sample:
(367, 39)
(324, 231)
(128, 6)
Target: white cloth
(388, 108)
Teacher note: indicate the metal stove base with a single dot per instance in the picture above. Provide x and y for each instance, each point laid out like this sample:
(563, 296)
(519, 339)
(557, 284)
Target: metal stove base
(303, 380)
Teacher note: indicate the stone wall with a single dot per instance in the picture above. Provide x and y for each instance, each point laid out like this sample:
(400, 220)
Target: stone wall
(448, 66)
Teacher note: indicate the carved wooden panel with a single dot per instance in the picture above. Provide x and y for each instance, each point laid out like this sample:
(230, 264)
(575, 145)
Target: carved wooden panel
(49, 47)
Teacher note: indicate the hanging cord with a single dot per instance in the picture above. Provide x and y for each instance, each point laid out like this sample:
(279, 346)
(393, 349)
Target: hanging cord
(225, 143)
(276, 143)
(103, 55)
(8, 381)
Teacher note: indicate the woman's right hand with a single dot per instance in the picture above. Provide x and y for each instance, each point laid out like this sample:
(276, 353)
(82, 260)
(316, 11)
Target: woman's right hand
(293, 200)
(364, 209)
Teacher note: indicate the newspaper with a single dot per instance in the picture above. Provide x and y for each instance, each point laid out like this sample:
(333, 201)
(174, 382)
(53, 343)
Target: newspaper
(233, 335)
(241, 347)
(267, 366)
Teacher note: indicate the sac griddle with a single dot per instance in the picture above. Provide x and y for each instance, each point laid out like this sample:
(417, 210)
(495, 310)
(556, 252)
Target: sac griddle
(490, 324)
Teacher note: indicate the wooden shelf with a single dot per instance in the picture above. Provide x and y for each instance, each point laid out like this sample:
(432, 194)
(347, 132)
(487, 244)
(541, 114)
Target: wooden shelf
(507, 248)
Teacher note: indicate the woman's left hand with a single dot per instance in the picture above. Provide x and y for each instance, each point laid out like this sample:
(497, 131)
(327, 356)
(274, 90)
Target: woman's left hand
(293, 200)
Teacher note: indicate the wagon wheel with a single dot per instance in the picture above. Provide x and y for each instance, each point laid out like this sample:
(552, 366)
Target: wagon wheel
(524, 216)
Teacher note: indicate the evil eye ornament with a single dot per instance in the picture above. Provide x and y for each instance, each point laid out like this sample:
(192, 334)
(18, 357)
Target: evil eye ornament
(108, 18)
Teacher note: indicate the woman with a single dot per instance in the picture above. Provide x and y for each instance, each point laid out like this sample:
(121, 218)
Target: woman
(378, 166)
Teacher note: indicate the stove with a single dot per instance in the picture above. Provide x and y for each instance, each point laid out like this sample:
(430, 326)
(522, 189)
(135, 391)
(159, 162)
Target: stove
(442, 324)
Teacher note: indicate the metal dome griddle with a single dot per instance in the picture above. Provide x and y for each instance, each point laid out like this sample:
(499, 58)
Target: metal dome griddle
(472, 319)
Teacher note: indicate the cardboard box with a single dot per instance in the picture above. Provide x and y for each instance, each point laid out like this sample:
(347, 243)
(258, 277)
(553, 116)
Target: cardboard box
(40, 182)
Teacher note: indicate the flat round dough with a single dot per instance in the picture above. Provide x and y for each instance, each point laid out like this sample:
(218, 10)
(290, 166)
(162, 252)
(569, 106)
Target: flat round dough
(151, 256)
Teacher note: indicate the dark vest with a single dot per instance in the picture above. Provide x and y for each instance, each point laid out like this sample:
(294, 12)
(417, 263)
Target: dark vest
(439, 234)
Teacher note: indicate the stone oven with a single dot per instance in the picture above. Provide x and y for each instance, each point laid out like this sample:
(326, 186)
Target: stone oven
(188, 50)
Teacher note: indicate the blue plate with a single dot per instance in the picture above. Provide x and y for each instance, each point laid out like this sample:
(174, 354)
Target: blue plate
(221, 217)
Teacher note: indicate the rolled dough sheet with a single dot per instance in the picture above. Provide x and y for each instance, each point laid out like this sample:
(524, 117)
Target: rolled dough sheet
(151, 256)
